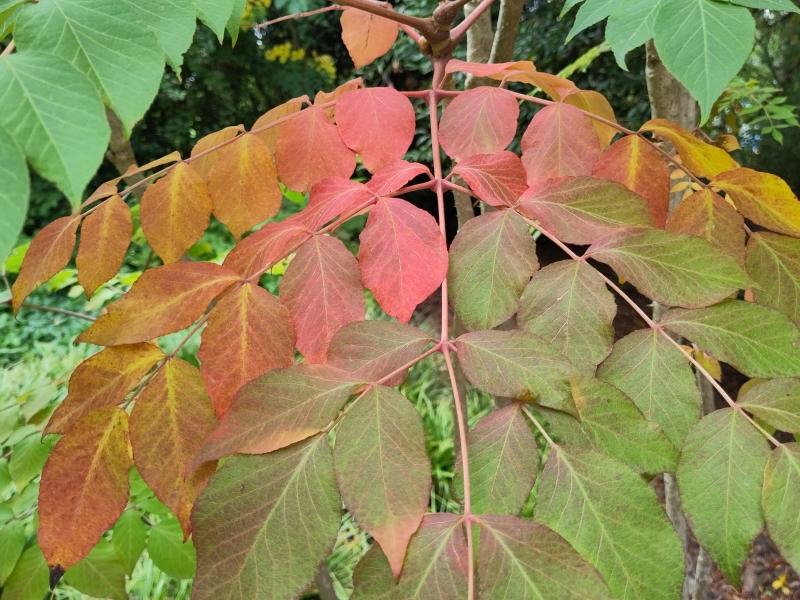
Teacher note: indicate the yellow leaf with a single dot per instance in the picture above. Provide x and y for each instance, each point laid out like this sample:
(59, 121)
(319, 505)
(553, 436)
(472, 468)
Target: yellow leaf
(704, 160)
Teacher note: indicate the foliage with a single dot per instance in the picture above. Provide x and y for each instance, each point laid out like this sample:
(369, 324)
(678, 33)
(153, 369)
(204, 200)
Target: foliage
(252, 455)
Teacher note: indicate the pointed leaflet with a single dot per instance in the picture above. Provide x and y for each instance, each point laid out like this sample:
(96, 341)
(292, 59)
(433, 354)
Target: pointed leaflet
(172, 22)
(763, 198)
(656, 376)
(638, 166)
(387, 180)
(629, 26)
(525, 560)
(14, 193)
(48, 253)
(84, 486)
(382, 469)
(497, 179)
(701, 158)
(203, 157)
(170, 420)
(776, 402)
(266, 126)
(517, 364)
(372, 577)
(582, 210)
(64, 139)
(617, 427)
(372, 350)
(559, 141)
(757, 341)
(607, 512)
(781, 500)
(773, 263)
(175, 212)
(279, 534)
(377, 123)
(719, 475)
(403, 256)
(332, 198)
(322, 289)
(162, 300)
(273, 242)
(479, 121)
(243, 185)
(129, 537)
(30, 579)
(678, 270)
(100, 574)
(249, 332)
(215, 14)
(279, 409)
(367, 36)
(706, 215)
(104, 39)
(105, 236)
(504, 461)
(491, 260)
(567, 304)
(309, 149)
(102, 381)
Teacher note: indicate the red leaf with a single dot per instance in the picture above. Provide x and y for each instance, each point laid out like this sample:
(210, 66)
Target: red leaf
(559, 141)
(273, 242)
(249, 332)
(331, 198)
(595, 103)
(84, 486)
(403, 256)
(377, 123)
(269, 134)
(479, 121)
(105, 236)
(497, 179)
(322, 289)
(639, 167)
(48, 253)
(161, 301)
(367, 36)
(323, 97)
(309, 149)
(394, 176)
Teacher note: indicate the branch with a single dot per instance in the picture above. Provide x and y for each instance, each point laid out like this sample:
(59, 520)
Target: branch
(507, 29)
(459, 30)
(424, 26)
(8, 49)
(298, 15)
(55, 309)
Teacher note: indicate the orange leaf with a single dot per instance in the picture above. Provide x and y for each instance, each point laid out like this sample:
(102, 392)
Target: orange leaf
(175, 211)
(203, 164)
(367, 36)
(172, 417)
(763, 198)
(84, 486)
(249, 332)
(322, 288)
(273, 242)
(309, 149)
(322, 97)
(161, 301)
(244, 185)
(103, 380)
(596, 104)
(105, 236)
(48, 253)
(264, 128)
(704, 160)
(638, 166)
(522, 71)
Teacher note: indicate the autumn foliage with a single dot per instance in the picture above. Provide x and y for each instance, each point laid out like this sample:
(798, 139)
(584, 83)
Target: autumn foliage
(295, 393)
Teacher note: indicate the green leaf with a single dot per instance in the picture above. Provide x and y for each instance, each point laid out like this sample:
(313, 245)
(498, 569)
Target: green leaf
(28, 458)
(773, 262)
(659, 380)
(491, 260)
(234, 24)
(618, 428)
(704, 43)
(104, 39)
(168, 550)
(12, 542)
(719, 476)
(101, 574)
(776, 5)
(607, 512)
(758, 341)
(382, 469)
(372, 577)
(30, 579)
(264, 523)
(215, 14)
(503, 459)
(516, 364)
(631, 24)
(677, 270)
(590, 12)
(522, 559)
(173, 22)
(776, 402)
(13, 193)
(54, 112)
(781, 500)
(567, 304)
(129, 538)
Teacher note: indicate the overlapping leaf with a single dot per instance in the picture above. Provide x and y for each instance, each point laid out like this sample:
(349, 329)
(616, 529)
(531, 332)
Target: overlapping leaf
(701, 158)
(387, 180)
(273, 242)
(773, 263)
(205, 152)
(781, 500)
(267, 125)
(776, 402)
(105, 236)
(13, 194)
(172, 22)
(332, 198)
(497, 179)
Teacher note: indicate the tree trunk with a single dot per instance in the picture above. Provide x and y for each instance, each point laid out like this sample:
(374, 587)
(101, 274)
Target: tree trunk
(120, 151)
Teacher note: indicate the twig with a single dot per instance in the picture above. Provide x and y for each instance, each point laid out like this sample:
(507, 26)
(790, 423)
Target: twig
(55, 309)
(8, 49)
(298, 15)
(461, 29)
(424, 26)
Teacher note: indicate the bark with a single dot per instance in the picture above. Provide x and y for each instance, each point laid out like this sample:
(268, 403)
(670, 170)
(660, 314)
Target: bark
(507, 28)
(120, 151)
(479, 41)
(669, 99)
